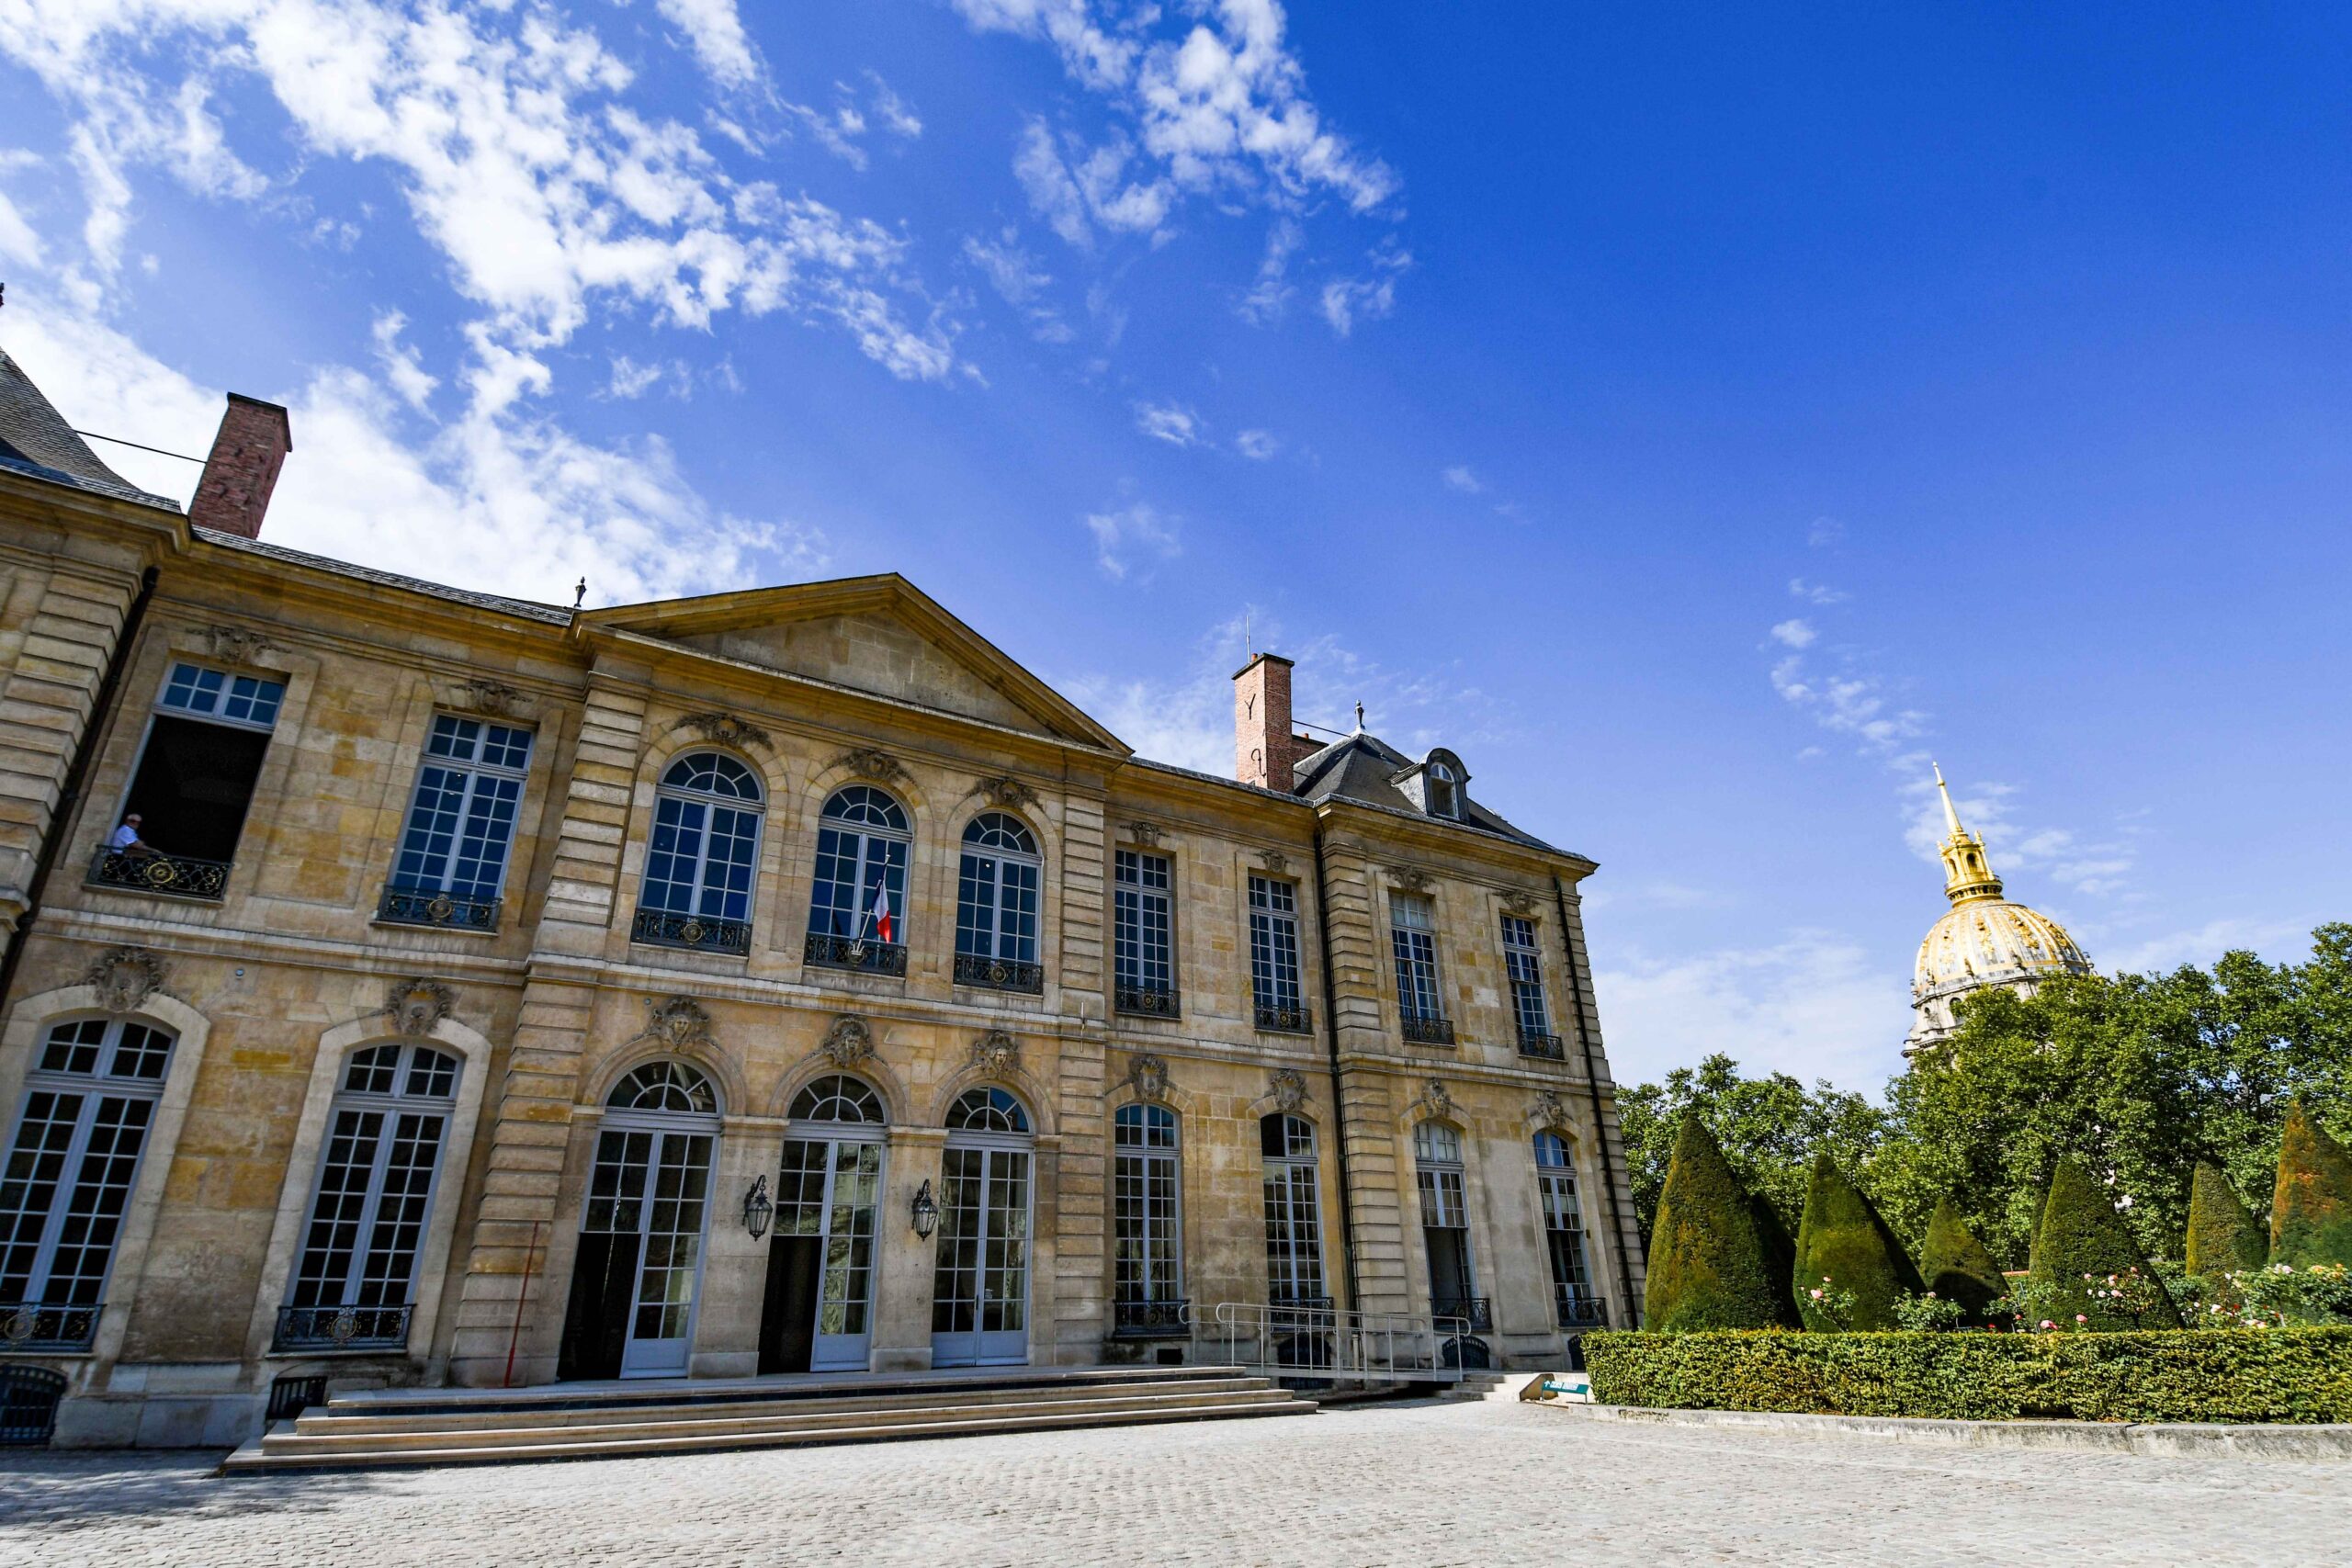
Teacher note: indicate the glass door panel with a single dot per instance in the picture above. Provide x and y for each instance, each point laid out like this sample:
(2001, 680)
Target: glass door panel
(980, 1286)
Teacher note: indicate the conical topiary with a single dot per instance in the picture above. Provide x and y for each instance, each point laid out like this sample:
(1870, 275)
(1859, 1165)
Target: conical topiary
(1956, 1265)
(2083, 1255)
(2224, 1235)
(1843, 1247)
(1712, 1257)
(2310, 1212)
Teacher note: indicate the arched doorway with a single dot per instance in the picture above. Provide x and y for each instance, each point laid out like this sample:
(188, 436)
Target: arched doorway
(637, 1274)
(818, 1314)
(980, 1301)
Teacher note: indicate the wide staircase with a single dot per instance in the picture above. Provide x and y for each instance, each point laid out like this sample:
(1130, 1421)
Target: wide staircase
(410, 1427)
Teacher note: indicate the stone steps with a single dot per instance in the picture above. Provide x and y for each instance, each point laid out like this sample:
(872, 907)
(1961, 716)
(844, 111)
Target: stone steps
(354, 1432)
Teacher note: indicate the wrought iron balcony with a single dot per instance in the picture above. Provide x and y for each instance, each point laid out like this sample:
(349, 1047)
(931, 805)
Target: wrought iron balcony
(342, 1328)
(1475, 1311)
(174, 877)
(1535, 1042)
(856, 953)
(1581, 1312)
(703, 933)
(1167, 1319)
(1285, 1018)
(1428, 1029)
(1147, 1001)
(999, 974)
(66, 1326)
(432, 907)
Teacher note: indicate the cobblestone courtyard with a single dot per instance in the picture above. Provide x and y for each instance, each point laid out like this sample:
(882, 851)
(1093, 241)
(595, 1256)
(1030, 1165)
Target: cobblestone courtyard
(1473, 1484)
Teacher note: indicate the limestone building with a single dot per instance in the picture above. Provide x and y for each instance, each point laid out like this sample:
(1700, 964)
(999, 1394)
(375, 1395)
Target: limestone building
(772, 980)
(1983, 940)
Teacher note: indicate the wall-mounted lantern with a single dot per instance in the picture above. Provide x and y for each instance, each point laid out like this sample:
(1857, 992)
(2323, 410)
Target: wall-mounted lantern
(757, 1208)
(926, 1212)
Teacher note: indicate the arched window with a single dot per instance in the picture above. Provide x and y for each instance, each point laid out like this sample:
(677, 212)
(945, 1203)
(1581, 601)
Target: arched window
(1293, 1213)
(1444, 791)
(704, 853)
(987, 1111)
(89, 1104)
(996, 906)
(838, 1098)
(1146, 1230)
(1556, 1182)
(354, 1282)
(637, 1275)
(1445, 1223)
(665, 1086)
(857, 904)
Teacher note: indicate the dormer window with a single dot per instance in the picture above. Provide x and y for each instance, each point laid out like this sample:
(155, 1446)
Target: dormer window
(1444, 791)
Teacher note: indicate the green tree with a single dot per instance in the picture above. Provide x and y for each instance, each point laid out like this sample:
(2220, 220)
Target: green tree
(1844, 1248)
(1955, 1265)
(1714, 1261)
(2224, 1235)
(2084, 1253)
(1768, 1128)
(2311, 1210)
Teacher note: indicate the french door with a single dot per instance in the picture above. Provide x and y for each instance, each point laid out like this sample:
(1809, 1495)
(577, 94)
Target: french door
(639, 1270)
(980, 1289)
(818, 1315)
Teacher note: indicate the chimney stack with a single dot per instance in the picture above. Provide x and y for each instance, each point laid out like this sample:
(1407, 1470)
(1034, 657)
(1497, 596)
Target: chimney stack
(242, 469)
(1265, 748)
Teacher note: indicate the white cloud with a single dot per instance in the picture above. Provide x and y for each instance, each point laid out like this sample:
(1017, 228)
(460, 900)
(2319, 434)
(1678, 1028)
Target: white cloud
(1851, 699)
(1258, 446)
(1794, 634)
(1269, 297)
(1020, 281)
(1131, 538)
(715, 34)
(1461, 479)
(1346, 301)
(2278, 941)
(896, 114)
(1815, 1005)
(1824, 531)
(2097, 867)
(1053, 193)
(1815, 592)
(402, 366)
(1172, 423)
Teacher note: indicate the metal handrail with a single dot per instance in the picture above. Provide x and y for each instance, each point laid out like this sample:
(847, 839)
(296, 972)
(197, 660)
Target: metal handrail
(1323, 1344)
(48, 1326)
(174, 877)
(999, 974)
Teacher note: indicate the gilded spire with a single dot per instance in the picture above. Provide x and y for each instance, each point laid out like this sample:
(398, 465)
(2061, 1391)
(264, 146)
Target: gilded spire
(1968, 876)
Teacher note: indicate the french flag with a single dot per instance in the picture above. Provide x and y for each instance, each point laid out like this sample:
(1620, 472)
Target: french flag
(883, 923)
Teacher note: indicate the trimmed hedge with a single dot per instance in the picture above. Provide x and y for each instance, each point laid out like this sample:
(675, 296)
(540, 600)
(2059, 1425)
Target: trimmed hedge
(1843, 1242)
(2293, 1375)
(1717, 1259)
(2082, 1238)
(2224, 1235)
(2310, 1211)
(1956, 1265)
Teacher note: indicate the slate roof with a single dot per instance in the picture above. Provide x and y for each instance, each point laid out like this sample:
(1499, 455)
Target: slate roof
(1363, 767)
(528, 609)
(35, 440)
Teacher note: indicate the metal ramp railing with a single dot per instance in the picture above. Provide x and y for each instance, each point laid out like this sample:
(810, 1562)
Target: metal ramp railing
(1325, 1345)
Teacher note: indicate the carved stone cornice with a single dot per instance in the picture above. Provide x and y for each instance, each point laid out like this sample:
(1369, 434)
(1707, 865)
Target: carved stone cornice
(416, 1004)
(849, 1043)
(726, 730)
(126, 976)
(1149, 1074)
(675, 1022)
(996, 1054)
(871, 763)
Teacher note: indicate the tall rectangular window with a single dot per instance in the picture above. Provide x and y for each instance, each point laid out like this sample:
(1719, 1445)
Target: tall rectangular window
(452, 860)
(1445, 1223)
(1412, 933)
(1274, 954)
(194, 779)
(1146, 1251)
(1294, 1224)
(1522, 961)
(1556, 1178)
(1143, 958)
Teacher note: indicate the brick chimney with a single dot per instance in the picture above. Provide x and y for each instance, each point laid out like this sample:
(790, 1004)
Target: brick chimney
(1265, 747)
(242, 469)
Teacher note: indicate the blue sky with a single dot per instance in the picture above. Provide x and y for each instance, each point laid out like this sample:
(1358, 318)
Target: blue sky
(1696, 420)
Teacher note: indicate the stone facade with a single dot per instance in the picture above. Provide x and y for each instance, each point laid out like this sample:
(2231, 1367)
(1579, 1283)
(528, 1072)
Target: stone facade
(546, 998)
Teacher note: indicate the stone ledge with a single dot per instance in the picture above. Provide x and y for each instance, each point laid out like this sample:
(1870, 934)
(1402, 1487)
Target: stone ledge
(2184, 1440)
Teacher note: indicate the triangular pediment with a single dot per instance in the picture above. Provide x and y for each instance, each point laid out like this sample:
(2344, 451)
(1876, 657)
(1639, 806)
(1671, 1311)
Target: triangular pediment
(879, 635)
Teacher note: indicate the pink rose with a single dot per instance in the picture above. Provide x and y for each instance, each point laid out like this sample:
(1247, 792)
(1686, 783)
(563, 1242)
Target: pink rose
(2080, 1318)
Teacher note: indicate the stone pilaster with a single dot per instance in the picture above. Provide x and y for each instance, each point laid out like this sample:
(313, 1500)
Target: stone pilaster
(1616, 1205)
(1355, 916)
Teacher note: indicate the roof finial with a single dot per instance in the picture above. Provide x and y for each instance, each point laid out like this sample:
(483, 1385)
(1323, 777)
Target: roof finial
(579, 595)
(1358, 718)
(1951, 818)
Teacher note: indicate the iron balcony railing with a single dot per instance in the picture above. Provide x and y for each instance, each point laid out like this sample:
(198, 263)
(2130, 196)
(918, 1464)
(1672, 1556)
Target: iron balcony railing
(342, 1328)
(856, 953)
(433, 907)
(174, 877)
(1149, 1001)
(1303, 1339)
(1535, 1042)
(999, 974)
(1428, 1029)
(1475, 1311)
(1168, 1318)
(67, 1327)
(1285, 1018)
(1581, 1312)
(703, 933)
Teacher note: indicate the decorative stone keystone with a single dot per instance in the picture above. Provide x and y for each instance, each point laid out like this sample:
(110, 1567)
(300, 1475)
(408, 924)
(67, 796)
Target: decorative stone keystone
(127, 977)
(849, 1043)
(416, 1004)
